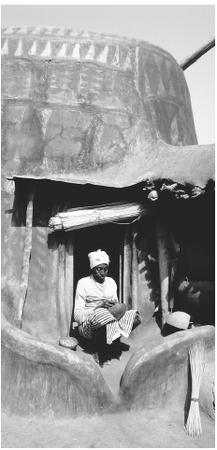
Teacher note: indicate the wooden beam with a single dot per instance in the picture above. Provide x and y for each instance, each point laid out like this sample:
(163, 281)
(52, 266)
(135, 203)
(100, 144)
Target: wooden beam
(195, 56)
(120, 293)
(61, 306)
(95, 215)
(164, 268)
(26, 258)
(69, 280)
(134, 270)
(127, 298)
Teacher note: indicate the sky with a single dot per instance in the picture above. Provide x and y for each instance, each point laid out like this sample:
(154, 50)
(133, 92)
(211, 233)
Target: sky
(179, 29)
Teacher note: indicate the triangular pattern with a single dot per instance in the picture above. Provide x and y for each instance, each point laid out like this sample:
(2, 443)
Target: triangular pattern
(128, 63)
(85, 34)
(44, 118)
(161, 89)
(47, 52)
(172, 91)
(174, 131)
(9, 30)
(36, 30)
(103, 56)
(33, 49)
(164, 75)
(116, 59)
(20, 111)
(19, 50)
(137, 56)
(153, 73)
(73, 33)
(171, 111)
(91, 52)
(63, 50)
(76, 51)
(60, 32)
(5, 48)
(148, 89)
(23, 30)
(49, 30)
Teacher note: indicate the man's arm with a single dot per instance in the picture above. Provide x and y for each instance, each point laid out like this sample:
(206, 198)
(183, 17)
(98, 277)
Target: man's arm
(80, 313)
(113, 298)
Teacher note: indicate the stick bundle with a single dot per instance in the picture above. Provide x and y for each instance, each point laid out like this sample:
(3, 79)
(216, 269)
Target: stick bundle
(88, 216)
(197, 362)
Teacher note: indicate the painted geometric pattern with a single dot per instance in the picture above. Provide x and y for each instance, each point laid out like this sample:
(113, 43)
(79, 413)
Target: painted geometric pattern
(123, 76)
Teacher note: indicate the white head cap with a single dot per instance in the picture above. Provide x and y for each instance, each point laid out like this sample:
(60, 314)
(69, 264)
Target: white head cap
(98, 257)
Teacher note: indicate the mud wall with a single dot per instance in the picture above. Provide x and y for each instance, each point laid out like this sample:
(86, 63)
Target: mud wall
(161, 376)
(40, 378)
(75, 102)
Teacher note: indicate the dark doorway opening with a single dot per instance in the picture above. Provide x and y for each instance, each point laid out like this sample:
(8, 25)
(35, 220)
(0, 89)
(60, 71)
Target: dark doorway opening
(105, 237)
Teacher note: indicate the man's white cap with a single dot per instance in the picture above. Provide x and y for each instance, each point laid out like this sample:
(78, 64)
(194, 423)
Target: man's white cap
(98, 257)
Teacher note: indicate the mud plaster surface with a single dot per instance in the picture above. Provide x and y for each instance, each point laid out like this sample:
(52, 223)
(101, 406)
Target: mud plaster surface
(154, 428)
(144, 429)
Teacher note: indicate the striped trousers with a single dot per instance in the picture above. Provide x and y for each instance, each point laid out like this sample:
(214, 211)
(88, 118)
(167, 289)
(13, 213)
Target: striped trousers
(114, 328)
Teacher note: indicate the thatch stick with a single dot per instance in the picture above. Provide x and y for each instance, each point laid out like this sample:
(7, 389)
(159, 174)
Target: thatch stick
(95, 215)
(197, 362)
(26, 258)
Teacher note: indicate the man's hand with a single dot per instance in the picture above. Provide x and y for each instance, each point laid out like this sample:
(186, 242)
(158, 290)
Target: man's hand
(105, 303)
(108, 303)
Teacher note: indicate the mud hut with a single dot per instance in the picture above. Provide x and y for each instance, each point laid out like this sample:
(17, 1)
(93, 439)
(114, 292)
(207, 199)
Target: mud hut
(99, 150)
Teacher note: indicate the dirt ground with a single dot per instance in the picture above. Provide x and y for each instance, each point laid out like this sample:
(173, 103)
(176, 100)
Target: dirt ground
(149, 429)
(115, 429)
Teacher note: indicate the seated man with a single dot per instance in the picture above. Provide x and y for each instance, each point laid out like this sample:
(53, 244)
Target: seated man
(95, 298)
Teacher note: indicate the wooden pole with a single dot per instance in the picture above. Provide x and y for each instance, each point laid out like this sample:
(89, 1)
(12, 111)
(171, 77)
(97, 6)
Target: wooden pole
(175, 250)
(134, 271)
(61, 306)
(69, 281)
(26, 258)
(164, 268)
(127, 299)
(120, 294)
(193, 58)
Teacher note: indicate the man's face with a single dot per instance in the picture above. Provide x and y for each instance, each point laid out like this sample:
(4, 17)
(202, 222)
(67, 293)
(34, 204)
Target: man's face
(99, 272)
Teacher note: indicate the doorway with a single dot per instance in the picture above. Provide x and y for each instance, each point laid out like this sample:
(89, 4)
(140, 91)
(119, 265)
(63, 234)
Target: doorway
(107, 237)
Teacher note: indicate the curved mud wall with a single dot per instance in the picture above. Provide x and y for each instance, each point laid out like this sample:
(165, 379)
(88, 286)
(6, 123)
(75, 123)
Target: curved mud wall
(157, 377)
(42, 378)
